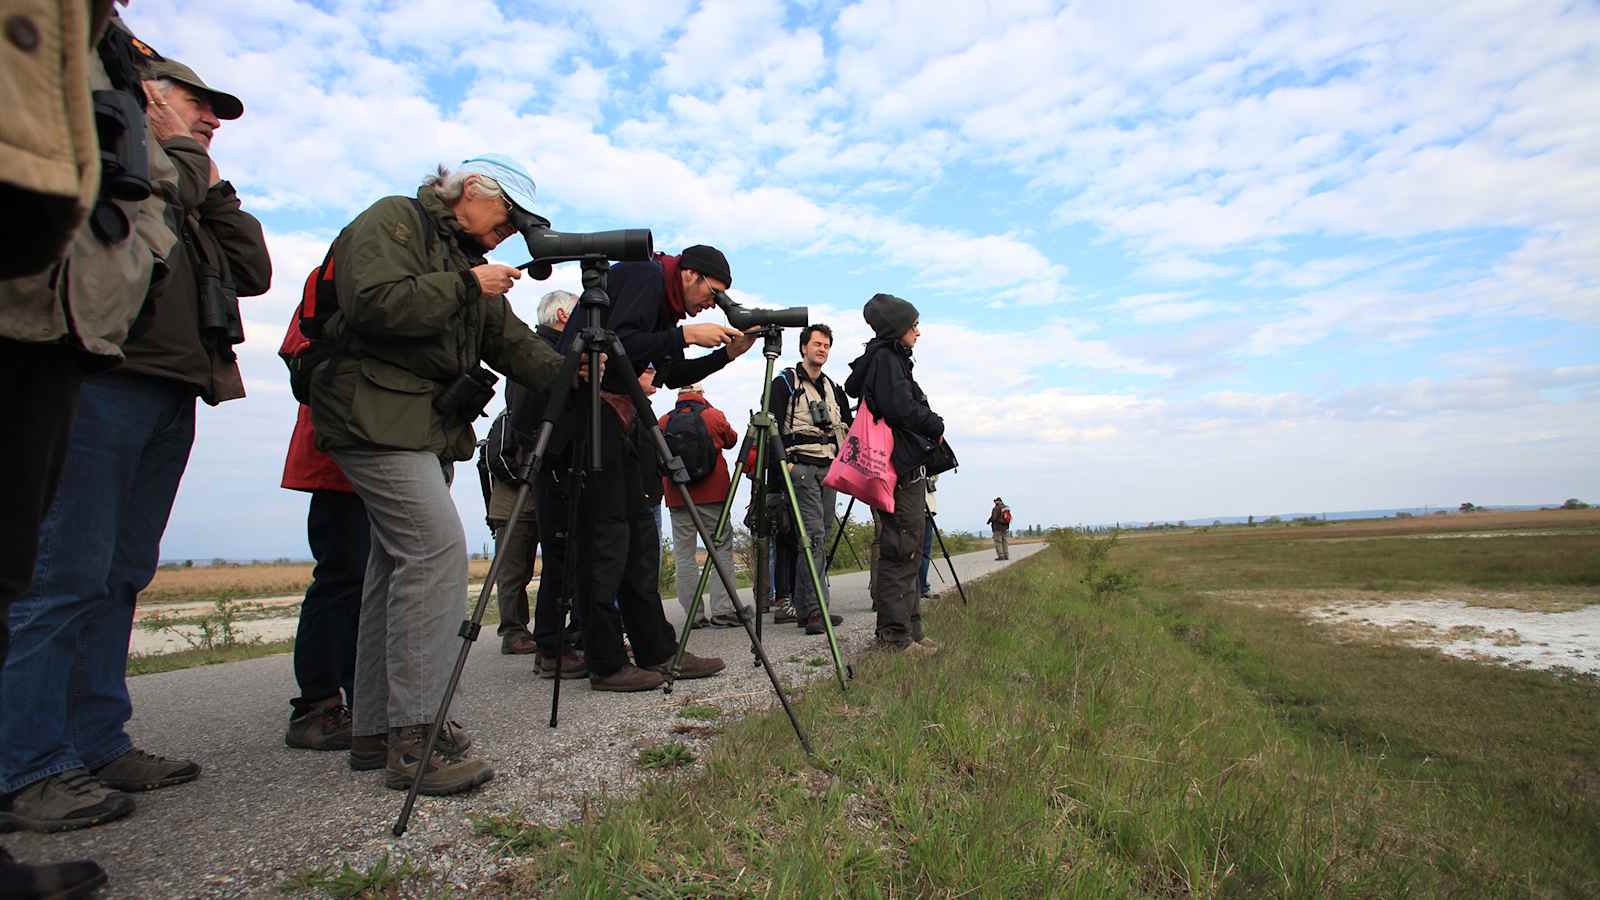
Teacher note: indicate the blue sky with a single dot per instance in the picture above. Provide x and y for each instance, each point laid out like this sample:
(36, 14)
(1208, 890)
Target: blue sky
(1172, 261)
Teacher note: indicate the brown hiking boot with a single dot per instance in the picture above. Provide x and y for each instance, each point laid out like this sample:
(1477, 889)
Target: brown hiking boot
(137, 770)
(64, 801)
(692, 666)
(573, 665)
(930, 643)
(921, 649)
(812, 624)
(628, 679)
(371, 751)
(518, 644)
(78, 878)
(326, 726)
(442, 775)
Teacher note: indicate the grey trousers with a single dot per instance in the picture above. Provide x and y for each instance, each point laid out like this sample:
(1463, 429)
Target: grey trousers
(1002, 543)
(415, 591)
(816, 516)
(516, 569)
(684, 542)
(894, 586)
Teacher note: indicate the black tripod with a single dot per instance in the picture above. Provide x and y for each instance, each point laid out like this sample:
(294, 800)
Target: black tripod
(937, 533)
(588, 345)
(762, 434)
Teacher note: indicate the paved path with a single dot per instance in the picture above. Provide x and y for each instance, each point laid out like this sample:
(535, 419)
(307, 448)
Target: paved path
(262, 812)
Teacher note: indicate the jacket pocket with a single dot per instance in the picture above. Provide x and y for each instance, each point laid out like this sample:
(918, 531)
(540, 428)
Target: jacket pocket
(392, 407)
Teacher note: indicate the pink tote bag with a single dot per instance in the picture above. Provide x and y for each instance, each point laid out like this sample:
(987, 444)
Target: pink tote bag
(863, 468)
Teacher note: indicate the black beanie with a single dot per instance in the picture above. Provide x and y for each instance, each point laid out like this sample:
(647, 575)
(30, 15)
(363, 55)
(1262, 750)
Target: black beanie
(889, 315)
(708, 261)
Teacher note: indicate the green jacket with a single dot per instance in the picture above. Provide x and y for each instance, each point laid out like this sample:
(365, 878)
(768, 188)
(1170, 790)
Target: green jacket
(411, 319)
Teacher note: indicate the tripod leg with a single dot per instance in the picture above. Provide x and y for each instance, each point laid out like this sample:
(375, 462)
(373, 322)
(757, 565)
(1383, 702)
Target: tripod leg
(940, 535)
(853, 554)
(839, 667)
(569, 575)
(835, 548)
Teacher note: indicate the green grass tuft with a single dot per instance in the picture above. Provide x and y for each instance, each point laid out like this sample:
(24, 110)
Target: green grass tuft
(702, 712)
(666, 756)
(383, 878)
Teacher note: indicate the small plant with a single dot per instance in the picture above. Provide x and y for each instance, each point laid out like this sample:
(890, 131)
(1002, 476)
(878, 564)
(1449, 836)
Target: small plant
(670, 755)
(382, 879)
(816, 662)
(700, 712)
(515, 836)
(218, 630)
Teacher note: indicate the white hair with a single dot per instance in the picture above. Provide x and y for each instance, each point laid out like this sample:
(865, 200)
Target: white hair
(451, 186)
(696, 388)
(554, 302)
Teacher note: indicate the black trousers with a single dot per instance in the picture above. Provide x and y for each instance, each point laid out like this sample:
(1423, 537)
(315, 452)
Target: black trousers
(548, 622)
(325, 640)
(39, 393)
(894, 587)
(619, 557)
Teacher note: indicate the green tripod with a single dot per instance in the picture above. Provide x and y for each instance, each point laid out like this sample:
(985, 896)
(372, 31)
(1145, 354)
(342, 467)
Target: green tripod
(762, 434)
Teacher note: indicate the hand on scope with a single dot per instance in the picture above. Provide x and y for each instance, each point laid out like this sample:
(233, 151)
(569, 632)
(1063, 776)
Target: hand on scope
(744, 342)
(708, 334)
(583, 367)
(494, 278)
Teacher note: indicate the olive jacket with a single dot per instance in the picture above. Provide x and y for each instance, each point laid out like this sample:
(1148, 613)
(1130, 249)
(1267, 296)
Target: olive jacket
(411, 320)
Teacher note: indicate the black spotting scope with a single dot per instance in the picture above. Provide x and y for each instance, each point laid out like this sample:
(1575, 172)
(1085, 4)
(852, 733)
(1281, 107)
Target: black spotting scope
(548, 247)
(745, 318)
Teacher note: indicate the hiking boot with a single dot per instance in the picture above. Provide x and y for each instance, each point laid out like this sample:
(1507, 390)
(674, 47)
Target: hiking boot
(64, 801)
(922, 648)
(692, 666)
(573, 665)
(78, 878)
(699, 623)
(724, 620)
(371, 751)
(783, 611)
(518, 644)
(629, 679)
(442, 774)
(326, 726)
(929, 643)
(137, 770)
(813, 623)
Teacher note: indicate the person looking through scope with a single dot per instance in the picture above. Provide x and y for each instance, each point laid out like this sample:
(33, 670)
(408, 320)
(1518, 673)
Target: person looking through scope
(419, 311)
(618, 554)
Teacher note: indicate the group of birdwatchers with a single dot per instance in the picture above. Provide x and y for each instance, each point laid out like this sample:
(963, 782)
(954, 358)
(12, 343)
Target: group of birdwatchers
(127, 253)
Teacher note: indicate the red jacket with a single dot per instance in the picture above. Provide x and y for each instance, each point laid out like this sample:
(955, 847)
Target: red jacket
(306, 468)
(714, 487)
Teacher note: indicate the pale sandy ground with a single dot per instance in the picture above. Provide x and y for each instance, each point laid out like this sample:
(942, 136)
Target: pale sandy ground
(1539, 640)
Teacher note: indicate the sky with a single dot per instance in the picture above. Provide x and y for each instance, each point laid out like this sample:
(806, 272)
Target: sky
(1172, 260)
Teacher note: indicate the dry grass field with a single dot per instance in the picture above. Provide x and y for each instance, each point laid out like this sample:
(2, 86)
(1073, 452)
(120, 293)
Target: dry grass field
(247, 582)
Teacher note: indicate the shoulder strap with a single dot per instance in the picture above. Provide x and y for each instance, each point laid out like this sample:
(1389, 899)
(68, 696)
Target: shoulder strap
(422, 220)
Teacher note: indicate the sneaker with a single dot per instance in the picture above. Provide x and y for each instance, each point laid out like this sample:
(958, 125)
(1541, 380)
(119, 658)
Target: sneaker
(629, 679)
(573, 665)
(78, 878)
(442, 774)
(813, 623)
(64, 801)
(325, 726)
(137, 770)
(692, 666)
(724, 620)
(371, 751)
(518, 644)
(783, 611)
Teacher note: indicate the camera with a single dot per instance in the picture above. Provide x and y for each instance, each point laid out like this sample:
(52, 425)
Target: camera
(468, 396)
(548, 246)
(819, 414)
(744, 318)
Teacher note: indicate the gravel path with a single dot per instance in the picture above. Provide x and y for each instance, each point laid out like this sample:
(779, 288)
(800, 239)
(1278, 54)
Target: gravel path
(262, 812)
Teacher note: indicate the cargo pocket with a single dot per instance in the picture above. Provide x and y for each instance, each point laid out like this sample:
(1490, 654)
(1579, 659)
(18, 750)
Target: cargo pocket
(392, 407)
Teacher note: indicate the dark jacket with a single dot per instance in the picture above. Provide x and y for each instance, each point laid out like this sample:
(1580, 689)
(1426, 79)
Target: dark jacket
(411, 320)
(647, 327)
(787, 403)
(881, 377)
(215, 231)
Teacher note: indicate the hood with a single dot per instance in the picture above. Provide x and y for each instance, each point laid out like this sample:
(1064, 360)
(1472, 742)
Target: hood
(889, 315)
(859, 366)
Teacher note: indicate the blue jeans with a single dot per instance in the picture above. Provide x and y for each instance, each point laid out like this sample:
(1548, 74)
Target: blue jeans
(63, 691)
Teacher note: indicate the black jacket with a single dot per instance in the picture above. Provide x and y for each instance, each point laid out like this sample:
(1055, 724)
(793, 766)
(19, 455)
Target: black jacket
(881, 376)
(643, 321)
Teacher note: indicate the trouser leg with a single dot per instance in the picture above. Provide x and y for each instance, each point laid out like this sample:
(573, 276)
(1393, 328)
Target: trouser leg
(900, 545)
(815, 504)
(686, 574)
(515, 550)
(325, 638)
(927, 559)
(549, 622)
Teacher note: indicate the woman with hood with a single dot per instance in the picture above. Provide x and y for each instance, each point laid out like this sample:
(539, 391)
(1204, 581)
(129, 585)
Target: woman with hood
(881, 378)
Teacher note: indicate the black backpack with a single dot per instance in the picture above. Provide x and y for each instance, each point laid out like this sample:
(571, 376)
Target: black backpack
(688, 438)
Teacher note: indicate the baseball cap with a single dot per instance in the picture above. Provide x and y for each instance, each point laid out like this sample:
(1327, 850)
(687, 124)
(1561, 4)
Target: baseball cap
(225, 105)
(517, 183)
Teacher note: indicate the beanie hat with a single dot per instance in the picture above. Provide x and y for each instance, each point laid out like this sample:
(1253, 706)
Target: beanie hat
(708, 261)
(889, 315)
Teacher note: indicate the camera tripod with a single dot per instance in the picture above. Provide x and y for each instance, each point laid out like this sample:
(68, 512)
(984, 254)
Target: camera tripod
(588, 345)
(762, 434)
(937, 533)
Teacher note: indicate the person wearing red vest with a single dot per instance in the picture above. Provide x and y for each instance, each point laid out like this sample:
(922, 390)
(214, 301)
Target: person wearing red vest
(707, 493)
(325, 639)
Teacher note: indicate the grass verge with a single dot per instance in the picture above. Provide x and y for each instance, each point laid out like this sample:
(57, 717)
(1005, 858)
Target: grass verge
(150, 664)
(383, 879)
(1059, 746)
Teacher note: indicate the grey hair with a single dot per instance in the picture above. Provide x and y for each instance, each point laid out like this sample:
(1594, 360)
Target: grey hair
(554, 302)
(451, 186)
(164, 84)
(696, 388)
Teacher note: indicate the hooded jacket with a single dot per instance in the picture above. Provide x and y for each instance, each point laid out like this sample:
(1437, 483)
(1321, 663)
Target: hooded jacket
(411, 320)
(881, 377)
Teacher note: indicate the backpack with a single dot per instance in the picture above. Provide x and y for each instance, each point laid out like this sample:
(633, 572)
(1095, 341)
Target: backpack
(495, 455)
(1005, 516)
(688, 438)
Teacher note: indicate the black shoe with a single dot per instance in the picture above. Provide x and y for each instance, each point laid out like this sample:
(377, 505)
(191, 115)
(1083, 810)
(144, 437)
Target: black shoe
(78, 878)
(813, 624)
